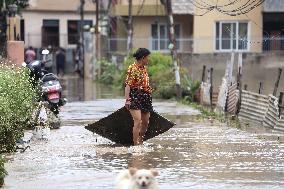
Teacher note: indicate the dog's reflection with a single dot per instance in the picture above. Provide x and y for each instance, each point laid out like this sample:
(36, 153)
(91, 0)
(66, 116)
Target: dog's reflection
(139, 162)
(138, 176)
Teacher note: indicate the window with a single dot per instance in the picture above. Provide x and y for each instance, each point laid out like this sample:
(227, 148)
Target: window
(73, 27)
(22, 23)
(50, 33)
(231, 36)
(160, 38)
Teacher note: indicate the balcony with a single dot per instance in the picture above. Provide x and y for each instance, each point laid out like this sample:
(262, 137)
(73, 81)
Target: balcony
(184, 45)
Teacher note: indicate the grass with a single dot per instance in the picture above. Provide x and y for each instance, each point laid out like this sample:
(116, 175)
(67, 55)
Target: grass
(208, 113)
(3, 172)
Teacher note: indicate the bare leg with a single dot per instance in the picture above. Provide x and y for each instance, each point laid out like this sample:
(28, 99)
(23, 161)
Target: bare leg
(144, 125)
(136, 115)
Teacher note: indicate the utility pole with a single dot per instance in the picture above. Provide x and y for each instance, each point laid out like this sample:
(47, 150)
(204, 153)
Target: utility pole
(172, 46)
(97, 29)
(3, 31)
(82, 46)
(130, 27)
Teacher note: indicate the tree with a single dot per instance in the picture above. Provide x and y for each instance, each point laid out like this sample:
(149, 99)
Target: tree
(172, 46)
(3, 25)
(130, 27)
(20, 3)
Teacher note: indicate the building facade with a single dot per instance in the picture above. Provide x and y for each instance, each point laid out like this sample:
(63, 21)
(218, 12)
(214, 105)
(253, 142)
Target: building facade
(57, 22)
(273, 25)
(150, 28)
(54, 22)
(258, 30)
(217, 32)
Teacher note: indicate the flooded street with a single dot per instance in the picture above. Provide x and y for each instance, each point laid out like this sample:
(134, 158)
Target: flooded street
(194, 154)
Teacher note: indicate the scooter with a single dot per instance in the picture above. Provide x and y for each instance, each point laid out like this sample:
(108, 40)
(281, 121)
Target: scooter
(49, 87)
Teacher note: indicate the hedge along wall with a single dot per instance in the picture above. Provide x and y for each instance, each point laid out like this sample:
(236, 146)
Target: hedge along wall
(16, 104)
(3, 172)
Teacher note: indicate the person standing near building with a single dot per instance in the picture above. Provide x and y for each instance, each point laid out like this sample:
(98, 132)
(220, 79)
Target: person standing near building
(138, 94)
(60, 61)
(30, 55)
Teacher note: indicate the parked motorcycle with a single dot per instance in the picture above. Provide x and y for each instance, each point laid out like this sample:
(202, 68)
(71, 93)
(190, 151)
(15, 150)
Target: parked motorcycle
(48, 87)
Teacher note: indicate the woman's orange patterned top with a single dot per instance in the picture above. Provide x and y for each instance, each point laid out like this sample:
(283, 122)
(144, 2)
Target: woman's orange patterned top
(137, 77)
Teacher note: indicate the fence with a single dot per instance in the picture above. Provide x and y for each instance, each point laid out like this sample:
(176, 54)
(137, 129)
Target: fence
(108, 45)
(280, 124)
(272, 114)
(232, 99)
(253, 106)
(257, 108)
(266, 110)
(111, 45)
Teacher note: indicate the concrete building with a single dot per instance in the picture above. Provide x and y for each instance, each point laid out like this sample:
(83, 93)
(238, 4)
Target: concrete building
(273, 25)
(217, 32)
(54, 22)
(150, 25)
(258, 30)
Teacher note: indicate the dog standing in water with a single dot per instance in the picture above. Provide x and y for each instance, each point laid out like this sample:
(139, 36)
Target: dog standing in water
(137, 179)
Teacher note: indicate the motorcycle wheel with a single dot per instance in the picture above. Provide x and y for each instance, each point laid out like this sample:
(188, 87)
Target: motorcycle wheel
(55, 110)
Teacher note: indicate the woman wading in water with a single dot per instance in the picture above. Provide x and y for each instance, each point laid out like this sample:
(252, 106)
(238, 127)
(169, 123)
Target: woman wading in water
(138, 94)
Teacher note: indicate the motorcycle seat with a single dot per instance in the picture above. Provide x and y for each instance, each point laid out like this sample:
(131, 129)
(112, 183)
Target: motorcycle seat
(49, 77)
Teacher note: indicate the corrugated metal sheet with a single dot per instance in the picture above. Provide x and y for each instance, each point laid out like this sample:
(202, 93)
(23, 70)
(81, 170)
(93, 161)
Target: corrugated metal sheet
(205, 93)
(232, 99)
(222, 96)
(215, 98)
(280, 125)
(253, 106)
(272, 115)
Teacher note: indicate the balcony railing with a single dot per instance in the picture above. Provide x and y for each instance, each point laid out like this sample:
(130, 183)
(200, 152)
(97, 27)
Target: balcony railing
(120, 44)
(184, 45)
(273, 44)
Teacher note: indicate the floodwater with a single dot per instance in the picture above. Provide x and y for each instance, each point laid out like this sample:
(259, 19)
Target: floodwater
(194, 154)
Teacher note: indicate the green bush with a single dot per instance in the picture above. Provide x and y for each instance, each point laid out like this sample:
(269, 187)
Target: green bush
(109, 72)
(190, 88)
(16, 104)
(3, 172)
(161, 73)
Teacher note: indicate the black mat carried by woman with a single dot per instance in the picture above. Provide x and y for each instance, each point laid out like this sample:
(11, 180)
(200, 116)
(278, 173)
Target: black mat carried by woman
(117, 127)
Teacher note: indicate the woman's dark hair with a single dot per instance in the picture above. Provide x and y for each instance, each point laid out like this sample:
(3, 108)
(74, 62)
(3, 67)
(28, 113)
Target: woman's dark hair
(140, 53)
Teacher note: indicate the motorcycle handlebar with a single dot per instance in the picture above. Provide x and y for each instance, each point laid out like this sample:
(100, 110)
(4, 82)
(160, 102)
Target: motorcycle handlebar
(46, 61)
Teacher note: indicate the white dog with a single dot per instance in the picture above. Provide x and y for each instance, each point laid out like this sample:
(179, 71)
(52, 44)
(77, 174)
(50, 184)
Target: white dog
(137, 179)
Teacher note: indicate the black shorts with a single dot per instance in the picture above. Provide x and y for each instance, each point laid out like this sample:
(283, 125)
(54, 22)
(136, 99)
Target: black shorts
(140, 100)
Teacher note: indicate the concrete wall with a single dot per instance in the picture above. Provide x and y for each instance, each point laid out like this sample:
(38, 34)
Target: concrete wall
(142, 30)
(34, 21)
(56, 5)
(256, 68)
(138, 2)
(15, 51)
(13, 28)
(204, 28)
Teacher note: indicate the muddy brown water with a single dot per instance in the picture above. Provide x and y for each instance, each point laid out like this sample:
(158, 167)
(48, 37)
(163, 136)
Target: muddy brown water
(194, 154)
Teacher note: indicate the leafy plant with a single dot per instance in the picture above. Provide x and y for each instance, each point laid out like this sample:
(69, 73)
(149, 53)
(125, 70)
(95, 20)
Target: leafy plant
(160, 70)
(20, 3)
(16, 104)
(109, 72)
(160, 73)
(3, 172)
(190, 87)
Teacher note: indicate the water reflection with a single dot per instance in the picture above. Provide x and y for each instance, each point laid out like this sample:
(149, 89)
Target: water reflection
(194, 154)
(77, 89)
